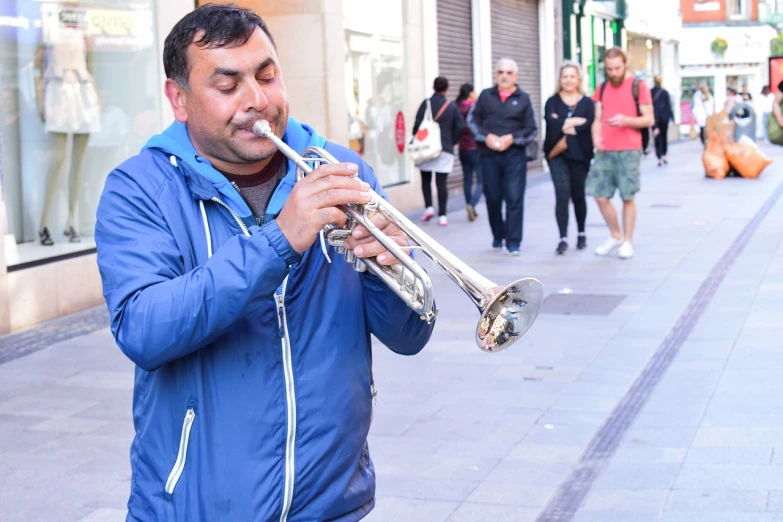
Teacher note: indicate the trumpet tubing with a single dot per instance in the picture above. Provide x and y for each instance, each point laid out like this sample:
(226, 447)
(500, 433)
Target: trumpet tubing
(506, 312)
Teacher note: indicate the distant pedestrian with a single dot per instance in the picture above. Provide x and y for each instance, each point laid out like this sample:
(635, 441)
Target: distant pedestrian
(662, 110)
(617, 143)
(568, 147)
(764, 108)
(703, 106)
(503, 123)
(732, 99)
(468, 153)
(451, 124)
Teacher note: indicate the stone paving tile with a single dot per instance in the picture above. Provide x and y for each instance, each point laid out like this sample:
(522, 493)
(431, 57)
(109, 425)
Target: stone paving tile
(473, 512)
(395, 509)
(705, 456)
(726, 516)
(632, 500)
(711, 501)
(429, 488)
(775, 501)
(745, 477)
(106, 515)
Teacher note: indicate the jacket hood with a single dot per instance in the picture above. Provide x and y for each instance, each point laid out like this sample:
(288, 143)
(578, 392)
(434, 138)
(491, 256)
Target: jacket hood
(209, 182)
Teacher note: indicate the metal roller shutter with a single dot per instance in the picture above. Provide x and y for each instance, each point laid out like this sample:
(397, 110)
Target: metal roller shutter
(455, 60)
(515, 36)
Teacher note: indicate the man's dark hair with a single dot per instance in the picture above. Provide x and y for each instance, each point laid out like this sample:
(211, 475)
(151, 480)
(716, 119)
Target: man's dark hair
(215, 25)
(440, 85)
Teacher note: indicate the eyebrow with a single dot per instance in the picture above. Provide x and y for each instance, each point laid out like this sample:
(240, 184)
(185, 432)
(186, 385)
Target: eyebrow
(232, 72)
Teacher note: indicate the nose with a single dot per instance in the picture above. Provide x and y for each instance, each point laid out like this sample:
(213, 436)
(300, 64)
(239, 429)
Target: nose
(256, 98)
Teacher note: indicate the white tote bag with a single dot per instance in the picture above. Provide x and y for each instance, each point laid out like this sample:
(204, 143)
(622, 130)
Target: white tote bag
(426, 143)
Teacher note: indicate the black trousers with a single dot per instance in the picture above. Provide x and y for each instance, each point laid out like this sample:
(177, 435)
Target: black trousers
(662, 140)
(505, 178)
(426, 189)
(568, 177)
(645, 139)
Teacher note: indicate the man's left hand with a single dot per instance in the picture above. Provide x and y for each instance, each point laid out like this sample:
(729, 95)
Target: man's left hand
(364, 245)
(618, 120)
(505, 142)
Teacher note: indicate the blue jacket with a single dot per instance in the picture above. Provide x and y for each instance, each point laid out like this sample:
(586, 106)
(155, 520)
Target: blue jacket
(253, 387)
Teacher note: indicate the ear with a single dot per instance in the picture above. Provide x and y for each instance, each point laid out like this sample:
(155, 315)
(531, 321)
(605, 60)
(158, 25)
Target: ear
(177, 98)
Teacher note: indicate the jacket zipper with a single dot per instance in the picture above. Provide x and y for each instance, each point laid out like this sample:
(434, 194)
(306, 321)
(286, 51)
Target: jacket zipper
(288, 491)
(236, 217)
(179, 465)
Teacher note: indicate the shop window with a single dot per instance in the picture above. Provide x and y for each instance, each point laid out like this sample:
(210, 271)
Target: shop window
(738, 9)
(80, 91)
(375, 82)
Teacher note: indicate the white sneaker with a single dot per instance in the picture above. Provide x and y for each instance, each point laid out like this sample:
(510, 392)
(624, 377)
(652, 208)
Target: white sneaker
(626, 250)
(608, 246)
(443, 221)
(429, 213)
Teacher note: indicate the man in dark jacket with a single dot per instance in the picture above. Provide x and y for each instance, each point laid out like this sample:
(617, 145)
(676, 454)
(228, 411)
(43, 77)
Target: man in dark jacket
(662, 111)
(504, 124)
(253, 389)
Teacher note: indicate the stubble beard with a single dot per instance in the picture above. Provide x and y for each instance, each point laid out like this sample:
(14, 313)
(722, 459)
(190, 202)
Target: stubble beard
(257, 150)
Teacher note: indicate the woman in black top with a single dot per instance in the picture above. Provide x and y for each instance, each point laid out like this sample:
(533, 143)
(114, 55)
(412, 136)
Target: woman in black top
(568, 147)
(451, 124)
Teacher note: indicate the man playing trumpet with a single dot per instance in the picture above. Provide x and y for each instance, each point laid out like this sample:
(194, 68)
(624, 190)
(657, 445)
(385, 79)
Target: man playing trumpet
(254, 389)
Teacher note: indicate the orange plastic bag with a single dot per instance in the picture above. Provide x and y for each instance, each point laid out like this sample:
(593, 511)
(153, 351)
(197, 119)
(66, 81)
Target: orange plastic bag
(746, 158)
(715, 163)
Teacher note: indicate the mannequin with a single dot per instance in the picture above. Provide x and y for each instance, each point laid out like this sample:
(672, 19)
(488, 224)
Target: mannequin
(67, 104)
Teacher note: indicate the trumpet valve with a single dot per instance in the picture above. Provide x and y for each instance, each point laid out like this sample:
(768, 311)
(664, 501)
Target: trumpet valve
(359, 265)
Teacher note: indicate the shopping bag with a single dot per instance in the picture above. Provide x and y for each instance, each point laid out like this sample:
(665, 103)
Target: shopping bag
(426, 143)
(746, 158)
(715, 163)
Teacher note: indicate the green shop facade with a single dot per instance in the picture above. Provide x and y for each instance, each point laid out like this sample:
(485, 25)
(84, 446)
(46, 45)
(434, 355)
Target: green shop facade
(590, 28)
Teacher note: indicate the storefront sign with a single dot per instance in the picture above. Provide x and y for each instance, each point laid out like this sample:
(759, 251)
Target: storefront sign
(775, 72)
(706, 5)
(399, 132)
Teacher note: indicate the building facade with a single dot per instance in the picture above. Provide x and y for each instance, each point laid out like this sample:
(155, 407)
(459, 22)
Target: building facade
(723, 45)
(356, 70)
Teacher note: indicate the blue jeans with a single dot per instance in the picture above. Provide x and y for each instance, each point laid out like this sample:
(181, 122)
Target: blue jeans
(505, 178)
(470, 164)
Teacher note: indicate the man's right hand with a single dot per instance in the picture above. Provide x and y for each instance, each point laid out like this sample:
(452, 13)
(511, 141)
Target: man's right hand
(598, 143)
(313, 202)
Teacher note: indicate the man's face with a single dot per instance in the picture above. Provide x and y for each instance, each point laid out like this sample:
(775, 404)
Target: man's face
(615, 70)
(505, 76)
(231, 88)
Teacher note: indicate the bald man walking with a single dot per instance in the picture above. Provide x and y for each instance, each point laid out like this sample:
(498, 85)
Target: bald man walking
(504, 124)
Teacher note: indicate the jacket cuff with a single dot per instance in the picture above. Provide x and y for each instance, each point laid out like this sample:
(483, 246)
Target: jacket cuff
(279, 242)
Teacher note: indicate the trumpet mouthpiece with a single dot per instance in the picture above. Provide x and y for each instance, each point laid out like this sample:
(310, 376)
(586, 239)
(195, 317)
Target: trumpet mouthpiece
(262, 128)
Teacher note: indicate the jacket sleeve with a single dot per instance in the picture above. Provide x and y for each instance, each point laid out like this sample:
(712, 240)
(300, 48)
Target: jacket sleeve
(476, 120)
(389, 318)
(529, 129)
(419, 116)
(589, 116)
(159, 311)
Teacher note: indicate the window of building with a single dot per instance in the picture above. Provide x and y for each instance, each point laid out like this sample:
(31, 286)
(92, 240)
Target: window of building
(738, 9)
(80, 91)
(375, 80)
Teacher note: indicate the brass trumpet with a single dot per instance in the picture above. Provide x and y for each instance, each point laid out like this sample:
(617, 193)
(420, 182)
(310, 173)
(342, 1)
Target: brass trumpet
(506, 312)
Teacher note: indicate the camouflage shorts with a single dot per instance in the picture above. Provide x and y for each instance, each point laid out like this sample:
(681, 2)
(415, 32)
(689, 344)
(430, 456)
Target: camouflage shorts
(613, 171)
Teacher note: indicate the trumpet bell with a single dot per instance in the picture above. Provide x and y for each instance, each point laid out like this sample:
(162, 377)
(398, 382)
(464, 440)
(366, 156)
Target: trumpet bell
(509, 314)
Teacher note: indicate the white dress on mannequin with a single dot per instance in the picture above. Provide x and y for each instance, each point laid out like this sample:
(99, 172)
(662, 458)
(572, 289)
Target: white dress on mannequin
(70, 100)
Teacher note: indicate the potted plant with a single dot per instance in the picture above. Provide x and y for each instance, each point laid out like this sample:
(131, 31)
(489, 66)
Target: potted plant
(718, 46)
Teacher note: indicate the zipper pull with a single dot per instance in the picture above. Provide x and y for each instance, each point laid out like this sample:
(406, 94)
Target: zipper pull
(280, 318)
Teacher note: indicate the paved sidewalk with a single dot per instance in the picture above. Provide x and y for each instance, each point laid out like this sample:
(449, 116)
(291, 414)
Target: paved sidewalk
(460, 435)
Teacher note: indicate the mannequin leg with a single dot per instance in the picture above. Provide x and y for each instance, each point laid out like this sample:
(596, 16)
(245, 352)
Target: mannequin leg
(59, 157)
(79, 147)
